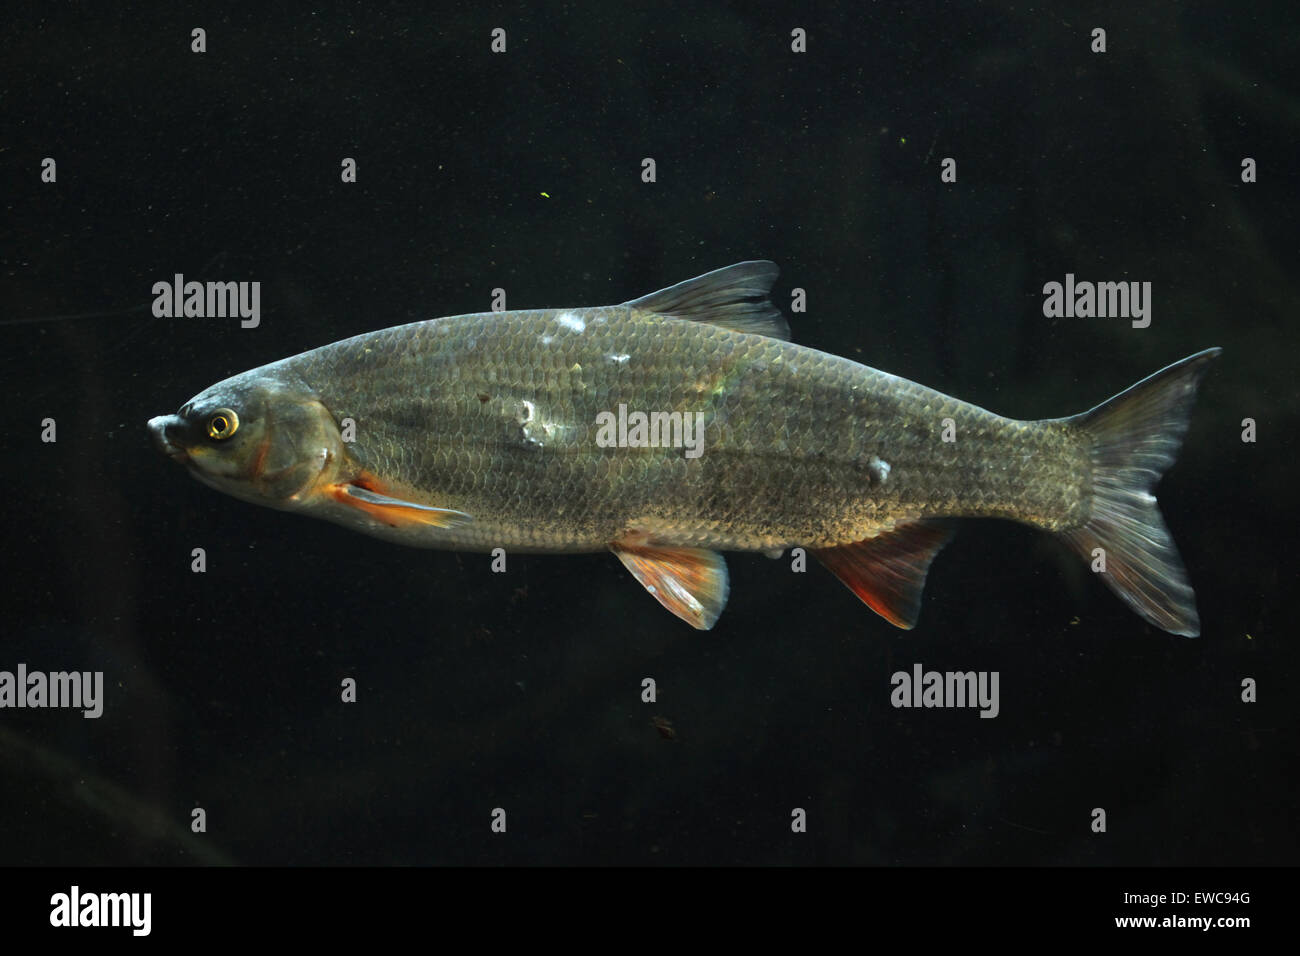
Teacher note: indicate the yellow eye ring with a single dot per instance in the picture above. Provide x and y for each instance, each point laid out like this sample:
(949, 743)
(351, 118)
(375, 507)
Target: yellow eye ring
(223, 423)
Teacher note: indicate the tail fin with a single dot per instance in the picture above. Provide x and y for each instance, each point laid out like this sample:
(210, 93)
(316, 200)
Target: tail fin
(1135, 438)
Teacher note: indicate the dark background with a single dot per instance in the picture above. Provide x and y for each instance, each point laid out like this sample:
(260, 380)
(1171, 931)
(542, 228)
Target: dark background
(522, 691)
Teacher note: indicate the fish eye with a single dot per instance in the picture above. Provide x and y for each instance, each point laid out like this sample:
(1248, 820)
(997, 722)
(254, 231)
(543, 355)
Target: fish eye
(222, 423)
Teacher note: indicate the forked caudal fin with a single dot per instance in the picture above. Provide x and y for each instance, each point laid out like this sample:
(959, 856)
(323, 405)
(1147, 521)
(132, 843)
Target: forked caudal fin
(1134, 438)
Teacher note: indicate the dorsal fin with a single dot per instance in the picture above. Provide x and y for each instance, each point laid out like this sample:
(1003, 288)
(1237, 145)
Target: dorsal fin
(734, 297)
(888, 572)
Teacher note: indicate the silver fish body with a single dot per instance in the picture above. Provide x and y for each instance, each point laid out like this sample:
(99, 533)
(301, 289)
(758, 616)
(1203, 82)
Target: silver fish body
(518, 430)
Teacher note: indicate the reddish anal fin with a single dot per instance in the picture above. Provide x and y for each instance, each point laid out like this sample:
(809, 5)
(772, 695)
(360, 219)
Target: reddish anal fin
(888, 571)
(396, 512)
(690, 582)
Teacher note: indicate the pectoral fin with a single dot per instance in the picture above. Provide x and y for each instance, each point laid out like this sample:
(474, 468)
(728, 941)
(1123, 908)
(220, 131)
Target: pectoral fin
(396, 512)
(888, 571)
(690, 582)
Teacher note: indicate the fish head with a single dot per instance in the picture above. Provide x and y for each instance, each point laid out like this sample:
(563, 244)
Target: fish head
(259, 437)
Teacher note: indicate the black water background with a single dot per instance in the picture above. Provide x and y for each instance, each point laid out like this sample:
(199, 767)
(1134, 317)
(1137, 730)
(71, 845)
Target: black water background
(522, 691)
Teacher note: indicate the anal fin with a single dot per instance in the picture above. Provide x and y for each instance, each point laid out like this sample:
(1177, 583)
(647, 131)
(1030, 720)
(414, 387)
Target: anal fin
(690, 582)
(888, 571)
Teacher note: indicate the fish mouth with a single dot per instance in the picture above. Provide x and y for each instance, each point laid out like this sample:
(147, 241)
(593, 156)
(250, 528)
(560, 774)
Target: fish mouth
(162, 429)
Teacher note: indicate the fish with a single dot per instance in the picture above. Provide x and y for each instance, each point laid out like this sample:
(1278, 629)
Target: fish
(679, 425)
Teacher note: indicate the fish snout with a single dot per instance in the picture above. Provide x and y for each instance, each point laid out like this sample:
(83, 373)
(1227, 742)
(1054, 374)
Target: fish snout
(164, 429)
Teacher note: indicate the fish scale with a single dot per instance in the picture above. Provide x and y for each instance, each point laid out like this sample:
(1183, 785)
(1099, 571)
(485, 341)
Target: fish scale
(788, 437)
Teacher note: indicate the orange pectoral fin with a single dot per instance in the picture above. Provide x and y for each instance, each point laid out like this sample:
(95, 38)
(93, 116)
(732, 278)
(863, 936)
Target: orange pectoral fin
(888, 572)
(690, 582)
(396, 512)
